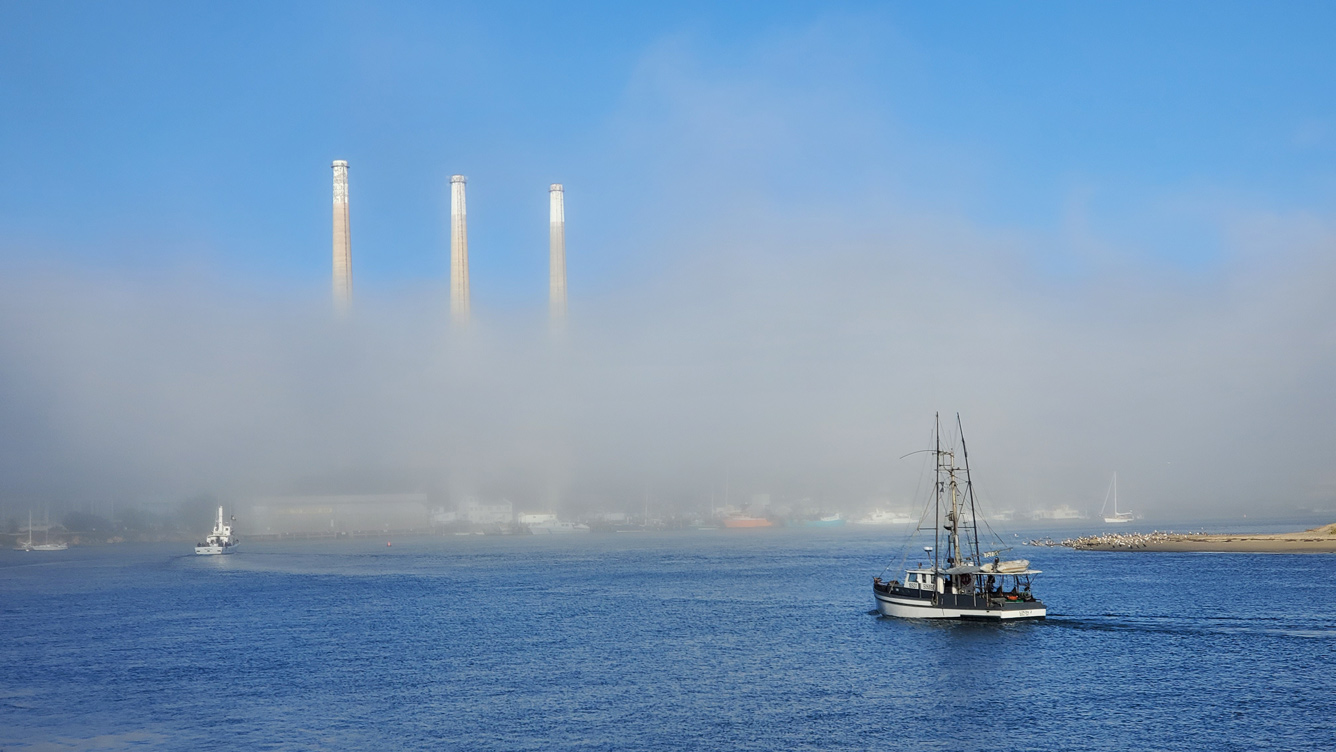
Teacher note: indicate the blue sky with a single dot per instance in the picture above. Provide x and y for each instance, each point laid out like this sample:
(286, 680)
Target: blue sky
(795, 230)
(143, 136)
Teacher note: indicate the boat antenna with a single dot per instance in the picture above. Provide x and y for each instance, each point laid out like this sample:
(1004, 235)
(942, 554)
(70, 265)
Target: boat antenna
(969, 487)
(918, 526)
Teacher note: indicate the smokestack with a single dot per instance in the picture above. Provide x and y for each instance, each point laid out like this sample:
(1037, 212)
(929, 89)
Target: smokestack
(343, 246)
(459, 252)
(557, 253)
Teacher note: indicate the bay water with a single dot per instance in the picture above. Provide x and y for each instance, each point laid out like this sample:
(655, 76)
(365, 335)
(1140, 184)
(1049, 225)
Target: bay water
(699, 640)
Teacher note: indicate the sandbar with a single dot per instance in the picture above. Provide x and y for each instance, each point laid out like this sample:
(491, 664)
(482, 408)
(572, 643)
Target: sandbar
(1320, 540)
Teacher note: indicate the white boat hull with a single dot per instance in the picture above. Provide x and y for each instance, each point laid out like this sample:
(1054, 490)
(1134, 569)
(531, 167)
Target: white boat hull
(918, 609)
(564, 528)
(214, 550)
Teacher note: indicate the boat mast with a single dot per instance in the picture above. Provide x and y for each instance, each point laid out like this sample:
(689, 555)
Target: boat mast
(969, 489)
(1115, 493)
(937, 499)
(953, 552)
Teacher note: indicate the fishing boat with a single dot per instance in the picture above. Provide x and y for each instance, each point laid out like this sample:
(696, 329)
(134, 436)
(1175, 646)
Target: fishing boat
(220, 541)
(1117, 517)
(832, 520)
(961, 581)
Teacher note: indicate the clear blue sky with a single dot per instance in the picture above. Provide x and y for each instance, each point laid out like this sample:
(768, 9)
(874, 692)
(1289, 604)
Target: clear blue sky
(145, 136)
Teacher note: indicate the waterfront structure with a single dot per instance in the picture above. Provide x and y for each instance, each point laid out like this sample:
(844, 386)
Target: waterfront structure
(459, 252)
(343, 252)
(557, 253)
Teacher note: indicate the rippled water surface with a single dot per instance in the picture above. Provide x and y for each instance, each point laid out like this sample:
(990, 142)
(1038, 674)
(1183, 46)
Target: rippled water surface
(707, 640)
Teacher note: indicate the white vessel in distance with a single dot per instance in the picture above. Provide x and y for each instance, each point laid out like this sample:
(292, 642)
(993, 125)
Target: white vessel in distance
(1117, 517)
(47, 546)
(959, 583)
(883, 517)
(220, 541)
(556, 528)
(548, 524)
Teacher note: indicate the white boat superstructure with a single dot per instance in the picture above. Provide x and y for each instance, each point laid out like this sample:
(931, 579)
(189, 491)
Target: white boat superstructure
(961, 582)
(220, 541)
(1117, 517)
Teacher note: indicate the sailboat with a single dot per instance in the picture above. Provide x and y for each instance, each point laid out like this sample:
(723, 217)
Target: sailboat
(960, 582)
(220, 541)
(47, 546)
(1117, 517)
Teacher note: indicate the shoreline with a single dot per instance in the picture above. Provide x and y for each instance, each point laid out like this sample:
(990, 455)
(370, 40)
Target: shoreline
(1320, 540)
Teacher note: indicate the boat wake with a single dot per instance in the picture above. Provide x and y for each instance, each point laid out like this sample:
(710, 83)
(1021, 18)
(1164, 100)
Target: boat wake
(1201, 625)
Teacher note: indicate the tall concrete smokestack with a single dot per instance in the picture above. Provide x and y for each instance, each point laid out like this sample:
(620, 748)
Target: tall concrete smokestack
(556, 286)
(459, 252)
(343, 246)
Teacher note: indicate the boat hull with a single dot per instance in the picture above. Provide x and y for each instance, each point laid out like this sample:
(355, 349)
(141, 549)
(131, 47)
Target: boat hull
(214, 550)
(560, 529)
(925, 608)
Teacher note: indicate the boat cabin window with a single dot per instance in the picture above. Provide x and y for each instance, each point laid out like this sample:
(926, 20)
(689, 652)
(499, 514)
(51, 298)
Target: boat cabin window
(913, 577)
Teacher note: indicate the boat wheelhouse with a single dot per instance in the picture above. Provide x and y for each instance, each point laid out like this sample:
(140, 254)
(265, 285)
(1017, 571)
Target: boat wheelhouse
(962, 581)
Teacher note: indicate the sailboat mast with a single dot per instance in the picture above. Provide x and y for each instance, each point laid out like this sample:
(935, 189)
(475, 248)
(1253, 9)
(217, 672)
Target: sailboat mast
(1115, 493)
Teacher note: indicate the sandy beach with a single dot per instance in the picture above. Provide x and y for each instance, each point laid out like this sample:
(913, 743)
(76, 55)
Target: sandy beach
(1320, 540)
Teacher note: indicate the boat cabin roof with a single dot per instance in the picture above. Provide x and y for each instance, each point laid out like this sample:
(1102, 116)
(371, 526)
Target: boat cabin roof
(969, 569)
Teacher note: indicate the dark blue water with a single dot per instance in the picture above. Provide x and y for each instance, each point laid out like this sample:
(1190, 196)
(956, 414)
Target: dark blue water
(709, 640)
